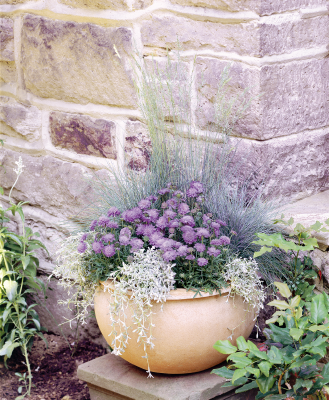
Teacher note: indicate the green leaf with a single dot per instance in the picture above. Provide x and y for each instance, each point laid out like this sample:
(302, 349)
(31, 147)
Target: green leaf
(265, 367)
(280, 304)
(295, 301)
(265, 384)
(318, 309)
(239, 362)
(242, 344)
(36, 323)
(25, 261)
(280, 335)
(223, 372)
(238, 373)
(310, 243)
(262, 251)
(15, 238)
(283, 289)
(11, 289)
(296, 333)
(225, 347)
(325, 371)
(254, 371)
(275, 355)
(248, 386)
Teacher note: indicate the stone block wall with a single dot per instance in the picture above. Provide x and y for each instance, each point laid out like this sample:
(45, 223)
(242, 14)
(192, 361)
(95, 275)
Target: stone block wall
(68, 104)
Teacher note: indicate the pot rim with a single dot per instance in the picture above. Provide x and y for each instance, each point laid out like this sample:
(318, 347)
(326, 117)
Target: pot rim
(178, 294)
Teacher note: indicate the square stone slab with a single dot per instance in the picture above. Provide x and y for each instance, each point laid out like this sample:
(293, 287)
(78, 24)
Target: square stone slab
(111, 378)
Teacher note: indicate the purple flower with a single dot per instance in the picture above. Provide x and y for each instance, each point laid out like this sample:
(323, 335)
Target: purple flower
(132, 215)
(205, 218)
(192, 192)
(84, 237)
(200, 199)
(224, 240)
(112, 225)
(82, 247)
(124, 240)
(198, 186)
(155, 237)
(234, 233)
(212, 251)
(109, 250)
(144, 204)
(164, 205)
(149, 230)
(190, 257)
(136, 244)
(189, 237)
(168, 244)
(222, 223)
(169, 255)
(97, 247)
(109, 237)
(182, 251)
(162, 223)
(152, 198)
(215, 242)
(178, 194)
(164, 191)
(103, 221)
(170, 214)
(200, 247)
(150, 215)
(171, 231)
(202, 262)
(113, 212)
(215, 225)
(202, 232)
(186, 228)
(159, 242)
(125, 232)
(93, 225)
(174, 223)
(172, 203)
(140, 229)
(183, 209)
(188, 220)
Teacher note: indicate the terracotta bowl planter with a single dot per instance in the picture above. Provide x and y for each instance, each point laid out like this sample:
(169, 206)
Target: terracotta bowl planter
(185, 331)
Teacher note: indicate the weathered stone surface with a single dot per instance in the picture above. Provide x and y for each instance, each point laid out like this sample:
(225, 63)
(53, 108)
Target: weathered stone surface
(83, 134)
(161, 32)
(13, 2)
(263, 7)
(291, 167)
(294, 96)
(108, 4)
(77, 62)
(321, 260)
(7, 71)
(18, 120)
(57, 187)
(115, 376)
(7, 39)
(137, 146)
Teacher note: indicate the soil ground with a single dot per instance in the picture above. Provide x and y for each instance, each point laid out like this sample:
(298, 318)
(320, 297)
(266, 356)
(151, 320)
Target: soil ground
(54, 370)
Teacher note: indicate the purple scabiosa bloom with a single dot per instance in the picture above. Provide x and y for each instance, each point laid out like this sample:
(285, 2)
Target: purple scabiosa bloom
(109, 237)
(162, 223)
(191, 192)
(97, 247)
(132, 215)
(125, 232)
(170, 214)
(140, 229)
(215, 242)
(113, 212)
(186, 228)
(202, 262)
(169, 255)
(234, 233)
(112, 225)
(190, 257)
(188, 220)
(149, 230)
(200, 247)
(82, 247)
(174, 223)
(155, 237)
(93, 225)
(172, 203)
(189, 237)
(144, 204)
(84, 237)
(103, 221)
(164, 191)
(168, 244)
(205, 219)
(152, 199)
(150, 215)
(164, 205)
(124, 240)
(221, 223)
(200, 199)
(178, 194)
(109, 250)
(198, 186)
(159, 242)
(202, 232)
(224, 240)
(215, 225)
(183, 209)
(177, 244)
(212, 251)
(171, 231)
(136, 244)
(182, 251)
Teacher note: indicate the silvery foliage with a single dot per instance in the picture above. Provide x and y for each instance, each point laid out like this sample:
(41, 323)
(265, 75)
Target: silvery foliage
(242, 275)
(148, 278)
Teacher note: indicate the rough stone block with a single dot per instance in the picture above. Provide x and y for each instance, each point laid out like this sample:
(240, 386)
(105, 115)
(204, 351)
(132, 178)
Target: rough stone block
(288, 168)
(109, 4)
(115, 377)
(20, 121)
(57, 187)
(287, 98)
(83, 134)
(77, 62)
(161, 32)
(137, 146)
(7, 71)
(7, 39)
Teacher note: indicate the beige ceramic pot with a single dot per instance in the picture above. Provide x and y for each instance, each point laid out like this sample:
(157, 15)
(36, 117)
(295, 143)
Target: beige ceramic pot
(185, 331)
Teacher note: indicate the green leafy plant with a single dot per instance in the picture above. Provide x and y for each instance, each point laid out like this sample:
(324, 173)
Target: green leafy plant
(299, 269)
(19, 322)
(288, 368)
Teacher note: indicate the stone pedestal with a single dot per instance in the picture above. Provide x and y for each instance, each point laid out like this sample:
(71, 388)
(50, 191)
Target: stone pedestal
(111, 378)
